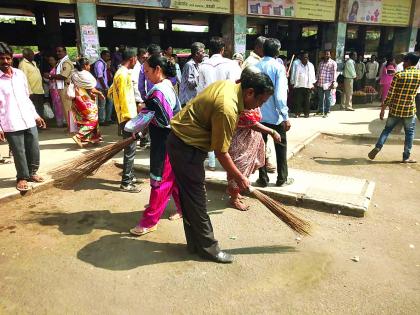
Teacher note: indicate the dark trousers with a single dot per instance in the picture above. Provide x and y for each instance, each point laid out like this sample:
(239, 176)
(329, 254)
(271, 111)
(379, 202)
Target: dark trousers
(188, 166)
(281, 156)
(418, 106)
(128, 160)
(301, 98)
(38, 100)
(25, 148)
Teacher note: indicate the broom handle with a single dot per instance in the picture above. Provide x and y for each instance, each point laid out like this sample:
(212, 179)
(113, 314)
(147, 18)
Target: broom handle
(290, 65)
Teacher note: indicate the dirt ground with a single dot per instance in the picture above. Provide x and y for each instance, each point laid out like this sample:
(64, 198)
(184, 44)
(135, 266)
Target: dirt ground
(68, 251)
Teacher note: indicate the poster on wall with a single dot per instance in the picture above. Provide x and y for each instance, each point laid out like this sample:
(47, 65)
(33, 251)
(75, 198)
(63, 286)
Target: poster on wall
(89, 41)
(391, 12)
(216, 6)
(300, 9)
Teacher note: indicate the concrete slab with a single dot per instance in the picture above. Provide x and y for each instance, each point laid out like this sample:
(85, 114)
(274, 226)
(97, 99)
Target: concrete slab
(318, 191)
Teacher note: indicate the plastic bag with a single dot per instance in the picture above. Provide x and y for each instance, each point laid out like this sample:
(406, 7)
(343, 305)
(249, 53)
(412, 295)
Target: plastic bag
(140, 122)
(48, 112)
(71, 91)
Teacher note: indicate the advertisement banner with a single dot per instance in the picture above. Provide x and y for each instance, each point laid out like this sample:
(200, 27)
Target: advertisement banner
(388, 12)
(300, 9)
(215, 6)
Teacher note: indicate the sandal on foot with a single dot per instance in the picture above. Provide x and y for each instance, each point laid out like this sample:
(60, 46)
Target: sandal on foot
(22, 185)
(4, 161)
(139, 231)
(36, 179)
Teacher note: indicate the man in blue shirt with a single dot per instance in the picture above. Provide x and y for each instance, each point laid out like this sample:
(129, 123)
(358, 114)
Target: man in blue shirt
(275, 111)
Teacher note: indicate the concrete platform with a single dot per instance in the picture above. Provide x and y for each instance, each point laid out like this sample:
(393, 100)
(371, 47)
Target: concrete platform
(318, 191)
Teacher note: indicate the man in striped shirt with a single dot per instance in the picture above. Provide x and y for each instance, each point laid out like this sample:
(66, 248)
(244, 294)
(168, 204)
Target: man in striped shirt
(402, 108)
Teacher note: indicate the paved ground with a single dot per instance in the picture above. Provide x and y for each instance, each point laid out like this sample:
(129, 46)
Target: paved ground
(57, 147)
(68, 252)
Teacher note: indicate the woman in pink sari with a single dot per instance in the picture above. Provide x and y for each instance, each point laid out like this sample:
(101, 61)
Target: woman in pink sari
(386, 77)
(247, 151)
(55, 97)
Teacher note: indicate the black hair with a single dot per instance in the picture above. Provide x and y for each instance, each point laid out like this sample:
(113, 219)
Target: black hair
(81, 62)
(154, 49)
(128, 54)
(141, 51)
(252, 77)
(104, 52)
(216, 44)
(413, 59)
(5, 49)
(271, 47)
(64, 48)
(195, 48)
(168, 68)
(259, 42)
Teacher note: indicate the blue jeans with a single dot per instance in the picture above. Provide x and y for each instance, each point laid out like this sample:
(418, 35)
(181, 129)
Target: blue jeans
(105, 108)
(324, 100)
(25, 147)
(409, 130)
(212, 159)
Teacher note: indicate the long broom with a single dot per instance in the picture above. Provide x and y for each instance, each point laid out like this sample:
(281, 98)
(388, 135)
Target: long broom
(79, 168)
(297, 224)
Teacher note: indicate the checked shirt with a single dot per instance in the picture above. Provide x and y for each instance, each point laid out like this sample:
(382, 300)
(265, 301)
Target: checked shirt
(402, 93)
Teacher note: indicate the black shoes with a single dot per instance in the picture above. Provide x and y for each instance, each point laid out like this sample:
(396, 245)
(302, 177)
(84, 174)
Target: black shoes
(262, 183)
(223, 258)
(289, 181)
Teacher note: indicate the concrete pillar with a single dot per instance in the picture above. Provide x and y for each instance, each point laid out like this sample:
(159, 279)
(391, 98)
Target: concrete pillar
(215, 25)
(52, 27)
(140, 16)
(153, 21)
(294, 36)
(40, 27)
(87, 30)
(361, 35)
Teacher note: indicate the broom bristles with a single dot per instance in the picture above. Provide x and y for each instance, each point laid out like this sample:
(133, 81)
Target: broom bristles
(295, 223)
(76, 170)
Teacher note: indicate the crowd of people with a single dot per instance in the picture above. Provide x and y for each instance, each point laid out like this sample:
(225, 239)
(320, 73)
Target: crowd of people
(215, 107)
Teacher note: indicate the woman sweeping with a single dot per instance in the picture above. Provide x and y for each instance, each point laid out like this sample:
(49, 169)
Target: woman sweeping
(247, 151)
(84, 108)
(163, 101)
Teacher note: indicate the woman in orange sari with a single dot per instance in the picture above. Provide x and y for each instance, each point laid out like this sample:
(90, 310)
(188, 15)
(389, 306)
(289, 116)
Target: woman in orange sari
(84, 107)
(247, 151)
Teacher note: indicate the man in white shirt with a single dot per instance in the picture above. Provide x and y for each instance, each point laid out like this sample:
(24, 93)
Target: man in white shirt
(372, 68)
(255, 55)
(214, 69)
(303, 79)
(142, 56)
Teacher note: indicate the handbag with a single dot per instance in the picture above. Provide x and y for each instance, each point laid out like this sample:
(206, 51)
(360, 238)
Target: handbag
(71, 91)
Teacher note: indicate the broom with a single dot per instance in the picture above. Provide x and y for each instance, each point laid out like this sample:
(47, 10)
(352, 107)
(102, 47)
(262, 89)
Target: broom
(79, 168)
(295, 223)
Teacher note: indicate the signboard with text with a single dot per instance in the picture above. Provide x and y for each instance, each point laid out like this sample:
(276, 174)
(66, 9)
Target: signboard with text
(387, 12)
(299, 9)
(216, 6)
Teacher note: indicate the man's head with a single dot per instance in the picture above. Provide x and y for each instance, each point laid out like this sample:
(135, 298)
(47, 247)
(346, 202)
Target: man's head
(353, 55)
(259, 45)
(142, 55)
(154, 49)
(121, 48)
(304, 58)
(197, 51)
(169, 51)
(410, 60)
(28, 54)
(105, 55)
(373, 58)
(61, 52)
(129, 58)
(360, 57)
(216, 45)
(271, 47)
(6, 58)
(257, 87)
(327, 54)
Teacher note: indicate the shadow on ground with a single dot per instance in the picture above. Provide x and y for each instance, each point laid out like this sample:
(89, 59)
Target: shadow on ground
(349, 161)
(123, 252)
